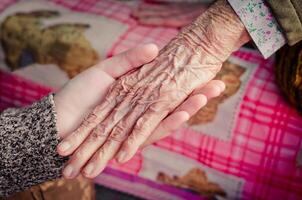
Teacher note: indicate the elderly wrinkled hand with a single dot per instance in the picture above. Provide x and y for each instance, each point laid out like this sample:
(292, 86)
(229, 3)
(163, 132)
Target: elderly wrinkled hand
(138, 102)
(80, 95)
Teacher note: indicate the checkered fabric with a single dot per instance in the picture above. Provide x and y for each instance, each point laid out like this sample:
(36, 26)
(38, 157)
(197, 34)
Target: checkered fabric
(266, 138)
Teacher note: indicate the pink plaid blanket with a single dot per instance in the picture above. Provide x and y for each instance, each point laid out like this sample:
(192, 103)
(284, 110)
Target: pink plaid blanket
(258, 158)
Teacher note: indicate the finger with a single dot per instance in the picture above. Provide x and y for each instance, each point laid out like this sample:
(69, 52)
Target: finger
(171, 123)
(212, 89)
(121, 131)
(139, 134)
(200, 96)
(97, 156)
(124, 62)
(175, 120)
(118, 134)
(196, 101)
(100, 159)
(82, 155)
(69, 144)
(95, 140)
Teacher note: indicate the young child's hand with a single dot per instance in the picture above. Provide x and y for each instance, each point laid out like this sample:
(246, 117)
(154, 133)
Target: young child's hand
(78, 97)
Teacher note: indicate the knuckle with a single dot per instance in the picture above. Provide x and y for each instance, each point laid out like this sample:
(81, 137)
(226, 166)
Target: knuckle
(99, 132)
(89, 120)
(85, 123)
(99, 108)
(118, 134)
(93, 137)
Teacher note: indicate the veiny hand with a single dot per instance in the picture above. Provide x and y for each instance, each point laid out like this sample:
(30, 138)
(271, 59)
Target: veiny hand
(81, 94)
(140, 100)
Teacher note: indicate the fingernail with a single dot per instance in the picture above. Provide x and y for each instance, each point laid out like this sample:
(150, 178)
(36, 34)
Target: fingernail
(68, 171)
(121, 157)
(64, 146)
(88, 170)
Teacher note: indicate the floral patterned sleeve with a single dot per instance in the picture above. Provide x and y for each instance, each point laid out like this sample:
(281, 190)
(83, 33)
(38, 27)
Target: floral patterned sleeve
(261, 25)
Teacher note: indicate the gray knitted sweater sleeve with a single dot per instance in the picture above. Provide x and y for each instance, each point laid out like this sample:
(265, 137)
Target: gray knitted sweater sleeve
(28, 140)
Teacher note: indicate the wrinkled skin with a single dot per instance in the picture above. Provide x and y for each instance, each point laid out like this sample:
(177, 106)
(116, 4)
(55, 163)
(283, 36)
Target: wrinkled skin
(85, 91)
(141, 99)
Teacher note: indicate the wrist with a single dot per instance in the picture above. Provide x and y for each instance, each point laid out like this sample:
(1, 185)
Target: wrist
(58, 114)
(63, 125)
(218, 31)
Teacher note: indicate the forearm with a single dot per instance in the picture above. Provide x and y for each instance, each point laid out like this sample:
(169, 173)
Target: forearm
(28, 140)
